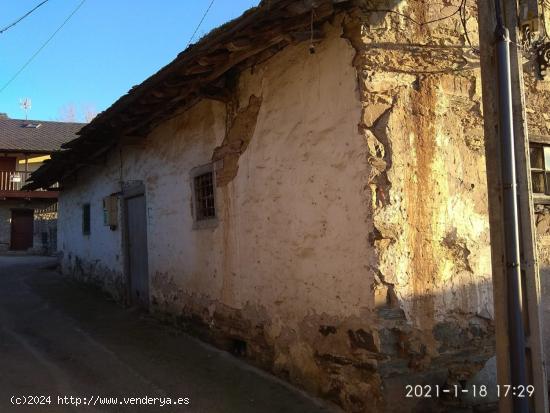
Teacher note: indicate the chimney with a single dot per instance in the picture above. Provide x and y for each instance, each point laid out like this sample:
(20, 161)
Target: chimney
(3, 115)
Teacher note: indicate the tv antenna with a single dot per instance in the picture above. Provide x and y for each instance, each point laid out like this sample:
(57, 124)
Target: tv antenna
(25, 105)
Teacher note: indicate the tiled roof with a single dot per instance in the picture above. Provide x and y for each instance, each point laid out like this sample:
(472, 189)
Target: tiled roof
(23, 135)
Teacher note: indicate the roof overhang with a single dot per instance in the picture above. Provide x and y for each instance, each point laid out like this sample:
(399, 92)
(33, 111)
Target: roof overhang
(205, 70)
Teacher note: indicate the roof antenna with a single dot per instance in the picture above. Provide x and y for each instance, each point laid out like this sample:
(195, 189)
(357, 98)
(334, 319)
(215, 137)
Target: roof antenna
(25, 105)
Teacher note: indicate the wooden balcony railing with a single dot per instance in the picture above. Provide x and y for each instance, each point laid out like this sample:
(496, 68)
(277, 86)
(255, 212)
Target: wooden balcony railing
(14, 180)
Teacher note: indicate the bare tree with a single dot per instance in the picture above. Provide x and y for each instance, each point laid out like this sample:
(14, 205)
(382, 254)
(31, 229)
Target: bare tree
(88, 112)
(68, 113)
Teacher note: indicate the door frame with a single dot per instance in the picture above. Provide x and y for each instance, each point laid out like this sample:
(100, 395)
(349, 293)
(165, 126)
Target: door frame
(132, 190)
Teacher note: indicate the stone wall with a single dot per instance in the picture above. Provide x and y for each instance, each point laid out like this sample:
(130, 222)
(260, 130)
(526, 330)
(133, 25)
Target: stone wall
(537, 95)
(45, 230)
(421, 95)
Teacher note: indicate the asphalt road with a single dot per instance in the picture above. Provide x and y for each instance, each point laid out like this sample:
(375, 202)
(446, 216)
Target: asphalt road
(61, 339)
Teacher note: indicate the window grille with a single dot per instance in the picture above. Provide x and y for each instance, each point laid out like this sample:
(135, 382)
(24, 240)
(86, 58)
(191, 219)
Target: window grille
(204, 196)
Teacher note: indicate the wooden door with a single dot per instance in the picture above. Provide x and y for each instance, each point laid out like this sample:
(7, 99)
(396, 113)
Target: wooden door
(21, 229)
(136, 233)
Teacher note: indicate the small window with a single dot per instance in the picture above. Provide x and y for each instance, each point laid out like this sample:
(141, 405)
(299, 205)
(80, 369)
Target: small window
(540, 168)
(204, 196)
(86, 219)
(203, 190)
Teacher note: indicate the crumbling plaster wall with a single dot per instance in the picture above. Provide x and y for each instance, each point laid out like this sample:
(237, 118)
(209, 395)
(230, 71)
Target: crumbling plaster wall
(421, 93)
(352, 251)
(422, 122)
(542, 221)
(288, 257)
(537, 96)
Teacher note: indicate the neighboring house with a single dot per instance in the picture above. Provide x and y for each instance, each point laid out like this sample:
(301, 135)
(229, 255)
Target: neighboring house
(306, 188)
(27, 218)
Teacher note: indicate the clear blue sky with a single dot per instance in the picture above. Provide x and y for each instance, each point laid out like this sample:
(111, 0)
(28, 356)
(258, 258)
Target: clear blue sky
(107, 47)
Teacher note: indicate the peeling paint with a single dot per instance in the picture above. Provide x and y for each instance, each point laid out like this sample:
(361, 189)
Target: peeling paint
(238, 136)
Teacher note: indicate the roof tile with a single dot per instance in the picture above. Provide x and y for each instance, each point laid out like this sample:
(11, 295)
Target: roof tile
(48, 137)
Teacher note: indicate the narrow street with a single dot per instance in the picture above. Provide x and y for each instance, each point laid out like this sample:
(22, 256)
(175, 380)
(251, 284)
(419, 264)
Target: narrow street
(59, 338)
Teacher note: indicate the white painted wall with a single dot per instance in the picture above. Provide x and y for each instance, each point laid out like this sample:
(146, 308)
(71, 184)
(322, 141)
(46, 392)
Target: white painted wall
(292, 231)
(102, 246)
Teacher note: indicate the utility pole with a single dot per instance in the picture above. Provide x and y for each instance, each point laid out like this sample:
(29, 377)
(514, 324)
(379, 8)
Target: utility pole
(516, 287)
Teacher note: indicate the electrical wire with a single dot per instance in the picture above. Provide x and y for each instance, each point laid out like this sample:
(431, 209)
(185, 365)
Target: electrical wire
(460, 10)
(43, 46)
(463, 20)
(200, 24)
(9, 26)
(530, 46)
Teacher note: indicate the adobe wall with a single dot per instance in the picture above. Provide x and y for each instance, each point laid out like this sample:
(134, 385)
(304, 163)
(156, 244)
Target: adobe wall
(352, 250)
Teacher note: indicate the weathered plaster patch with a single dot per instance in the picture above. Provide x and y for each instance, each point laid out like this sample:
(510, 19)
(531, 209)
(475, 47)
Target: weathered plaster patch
(238, 136)
(97, 274)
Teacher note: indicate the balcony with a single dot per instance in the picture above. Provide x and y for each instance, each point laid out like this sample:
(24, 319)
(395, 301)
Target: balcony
(12, 182)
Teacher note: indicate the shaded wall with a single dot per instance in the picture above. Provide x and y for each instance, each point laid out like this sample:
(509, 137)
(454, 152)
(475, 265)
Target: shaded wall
(6, 207)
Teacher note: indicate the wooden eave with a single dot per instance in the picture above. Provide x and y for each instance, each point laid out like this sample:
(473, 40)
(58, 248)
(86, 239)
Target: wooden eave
(48, 194)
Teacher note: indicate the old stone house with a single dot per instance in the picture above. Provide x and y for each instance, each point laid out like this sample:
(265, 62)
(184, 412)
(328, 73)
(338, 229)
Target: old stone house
(27, 218)
(304, 186)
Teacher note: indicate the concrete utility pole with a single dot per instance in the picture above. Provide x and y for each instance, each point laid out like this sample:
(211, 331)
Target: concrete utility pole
(520, 357)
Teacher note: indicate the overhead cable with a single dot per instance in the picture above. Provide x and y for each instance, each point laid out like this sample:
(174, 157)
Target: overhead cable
(42, 47)
(200, 23)
(9, 26)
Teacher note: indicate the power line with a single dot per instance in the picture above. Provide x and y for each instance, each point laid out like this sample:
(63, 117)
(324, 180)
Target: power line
(9, 26)
(464, 21)
(200, 23)
(460, 10)
(42, 47)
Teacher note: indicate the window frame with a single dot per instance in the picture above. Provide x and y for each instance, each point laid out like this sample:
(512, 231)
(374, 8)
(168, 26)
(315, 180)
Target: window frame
(540, 197)
(210, 222)
(86, 218)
